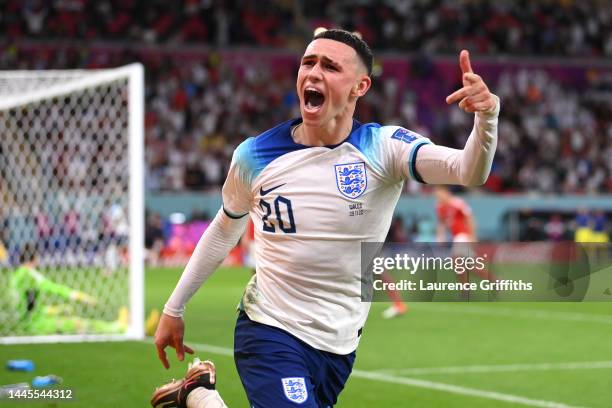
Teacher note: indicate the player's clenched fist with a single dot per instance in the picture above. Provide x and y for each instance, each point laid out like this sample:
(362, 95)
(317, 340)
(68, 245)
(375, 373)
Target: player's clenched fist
(475, 95)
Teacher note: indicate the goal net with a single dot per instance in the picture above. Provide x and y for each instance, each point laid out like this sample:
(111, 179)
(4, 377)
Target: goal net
(71, 205)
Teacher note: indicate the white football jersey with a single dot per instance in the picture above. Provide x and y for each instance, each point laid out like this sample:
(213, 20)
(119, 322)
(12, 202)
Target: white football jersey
(312, 207)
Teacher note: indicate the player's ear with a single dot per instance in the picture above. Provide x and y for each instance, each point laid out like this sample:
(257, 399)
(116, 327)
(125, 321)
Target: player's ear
(362, 86)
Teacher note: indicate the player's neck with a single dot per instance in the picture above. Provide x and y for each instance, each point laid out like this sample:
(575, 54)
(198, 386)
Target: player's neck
(328, 134)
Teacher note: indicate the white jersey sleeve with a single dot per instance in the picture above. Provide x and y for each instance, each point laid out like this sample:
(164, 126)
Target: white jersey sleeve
(399, 147)
(236, 193)
(219, 238)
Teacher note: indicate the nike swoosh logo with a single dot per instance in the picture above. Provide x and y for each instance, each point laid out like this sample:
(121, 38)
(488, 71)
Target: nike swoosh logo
(263, 192)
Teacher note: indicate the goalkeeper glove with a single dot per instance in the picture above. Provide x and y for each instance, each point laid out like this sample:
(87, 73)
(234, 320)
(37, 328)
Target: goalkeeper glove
(83, 297)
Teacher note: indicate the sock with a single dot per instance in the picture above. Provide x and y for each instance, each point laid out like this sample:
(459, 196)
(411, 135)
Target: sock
(205, 398)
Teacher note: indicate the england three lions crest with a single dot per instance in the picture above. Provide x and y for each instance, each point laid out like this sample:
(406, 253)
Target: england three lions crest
(295, 389)
(351, 179)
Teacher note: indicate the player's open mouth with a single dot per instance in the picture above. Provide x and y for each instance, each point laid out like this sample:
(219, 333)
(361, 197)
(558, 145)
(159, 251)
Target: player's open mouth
(313, 99)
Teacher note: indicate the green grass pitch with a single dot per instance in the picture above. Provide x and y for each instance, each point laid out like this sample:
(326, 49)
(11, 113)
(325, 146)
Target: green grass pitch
(438, 355)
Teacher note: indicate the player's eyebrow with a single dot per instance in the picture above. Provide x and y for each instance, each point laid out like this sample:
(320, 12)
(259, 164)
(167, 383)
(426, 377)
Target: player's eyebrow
(324, 58)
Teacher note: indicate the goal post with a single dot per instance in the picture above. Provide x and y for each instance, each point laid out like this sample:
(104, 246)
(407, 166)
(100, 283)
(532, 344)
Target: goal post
(72, 205)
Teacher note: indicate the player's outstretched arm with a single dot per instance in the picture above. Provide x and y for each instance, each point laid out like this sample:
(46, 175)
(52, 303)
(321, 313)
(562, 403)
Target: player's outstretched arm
(219, 238)
(470, 166)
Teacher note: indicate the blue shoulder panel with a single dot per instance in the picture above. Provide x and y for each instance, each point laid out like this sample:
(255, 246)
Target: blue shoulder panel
(274, 143)
(366, 139)
(255, 153)
(245, 160)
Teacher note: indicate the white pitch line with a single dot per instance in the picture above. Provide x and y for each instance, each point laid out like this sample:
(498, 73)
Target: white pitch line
(456, 389)
(414, 382)
(517, 313)
(581, 365)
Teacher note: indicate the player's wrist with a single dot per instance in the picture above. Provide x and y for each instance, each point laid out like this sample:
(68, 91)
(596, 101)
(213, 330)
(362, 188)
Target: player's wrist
(492, 112)
(172, 312)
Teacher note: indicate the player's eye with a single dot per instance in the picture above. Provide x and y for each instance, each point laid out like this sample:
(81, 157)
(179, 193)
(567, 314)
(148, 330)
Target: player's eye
(308, 63)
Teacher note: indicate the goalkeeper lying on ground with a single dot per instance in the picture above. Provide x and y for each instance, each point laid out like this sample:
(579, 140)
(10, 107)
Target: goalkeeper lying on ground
(30, 291)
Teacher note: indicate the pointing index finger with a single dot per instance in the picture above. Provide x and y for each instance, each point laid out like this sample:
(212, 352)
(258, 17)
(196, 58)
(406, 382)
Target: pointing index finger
(464, 62)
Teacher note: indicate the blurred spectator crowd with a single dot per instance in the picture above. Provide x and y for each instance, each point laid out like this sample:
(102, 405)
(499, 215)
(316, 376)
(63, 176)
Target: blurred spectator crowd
(554, 137)
(582, 226)
(552, 27)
